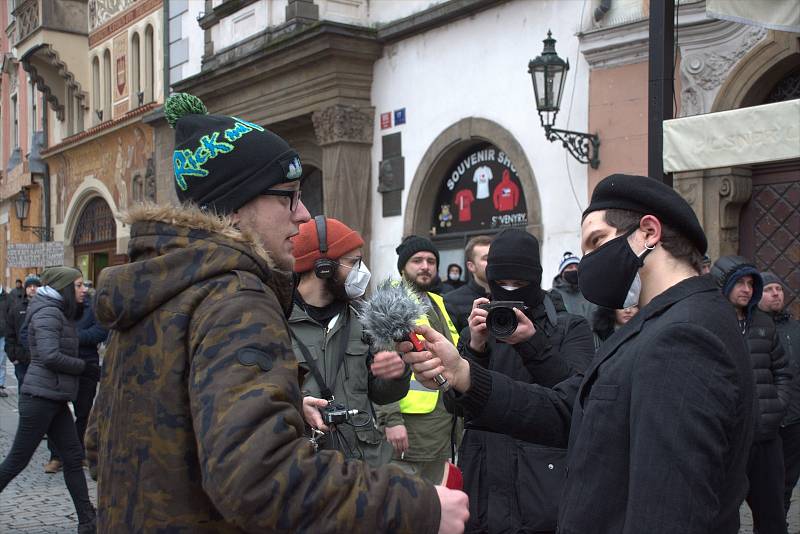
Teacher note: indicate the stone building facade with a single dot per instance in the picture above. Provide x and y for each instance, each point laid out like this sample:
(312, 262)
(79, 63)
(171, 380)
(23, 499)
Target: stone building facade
(96, 68)
(749, 210)
(386, 100)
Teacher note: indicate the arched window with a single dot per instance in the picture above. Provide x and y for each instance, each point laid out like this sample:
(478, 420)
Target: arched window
(97, 99)
(149, 69)
(107, 81)
(135, 72)
(137, 188)
(95, 225)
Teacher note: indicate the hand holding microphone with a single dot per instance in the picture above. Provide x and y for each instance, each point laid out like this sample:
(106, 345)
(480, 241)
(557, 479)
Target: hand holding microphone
(438, 357)
(390, 316)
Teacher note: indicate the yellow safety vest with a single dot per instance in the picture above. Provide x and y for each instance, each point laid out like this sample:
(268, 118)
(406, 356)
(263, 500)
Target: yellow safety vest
(420, 399)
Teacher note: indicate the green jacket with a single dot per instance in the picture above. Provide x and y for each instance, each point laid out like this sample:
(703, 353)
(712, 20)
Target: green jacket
(351, 382)
(197, 426)
(429, 435)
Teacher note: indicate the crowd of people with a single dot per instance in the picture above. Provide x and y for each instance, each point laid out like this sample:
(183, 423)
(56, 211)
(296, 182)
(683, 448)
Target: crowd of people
(635, 395)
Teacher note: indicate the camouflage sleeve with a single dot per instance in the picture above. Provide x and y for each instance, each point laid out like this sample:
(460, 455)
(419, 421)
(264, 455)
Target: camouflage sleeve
(90, 440)
(256, 466)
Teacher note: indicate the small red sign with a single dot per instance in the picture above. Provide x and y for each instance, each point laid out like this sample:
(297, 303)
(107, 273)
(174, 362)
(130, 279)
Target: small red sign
(386, 120)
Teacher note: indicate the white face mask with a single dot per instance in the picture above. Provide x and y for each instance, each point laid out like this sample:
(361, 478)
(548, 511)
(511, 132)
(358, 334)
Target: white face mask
(633, 292)
(510, 288)
(357, 280)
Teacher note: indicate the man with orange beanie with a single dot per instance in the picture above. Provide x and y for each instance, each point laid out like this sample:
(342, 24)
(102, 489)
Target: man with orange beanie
(328, 342)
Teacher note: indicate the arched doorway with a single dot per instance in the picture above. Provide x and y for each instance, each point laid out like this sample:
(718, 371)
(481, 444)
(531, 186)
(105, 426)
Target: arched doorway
(474, 179)
(769, 228)
(95, 238)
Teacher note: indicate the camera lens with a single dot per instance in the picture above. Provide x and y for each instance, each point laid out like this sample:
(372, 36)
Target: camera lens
(502, 322)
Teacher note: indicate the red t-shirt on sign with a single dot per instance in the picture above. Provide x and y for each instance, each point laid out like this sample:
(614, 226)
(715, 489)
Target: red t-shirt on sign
(463, 202)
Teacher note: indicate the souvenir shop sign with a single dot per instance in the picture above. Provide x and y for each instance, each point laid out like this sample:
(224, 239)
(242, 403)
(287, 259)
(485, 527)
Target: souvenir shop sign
(480, 192)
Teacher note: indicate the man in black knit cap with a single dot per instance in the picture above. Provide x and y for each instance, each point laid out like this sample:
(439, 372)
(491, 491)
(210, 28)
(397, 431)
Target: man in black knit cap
(659, 426)
(197, 426)
(419, 427)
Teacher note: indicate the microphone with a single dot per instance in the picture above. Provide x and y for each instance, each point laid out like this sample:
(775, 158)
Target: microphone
(389, 316)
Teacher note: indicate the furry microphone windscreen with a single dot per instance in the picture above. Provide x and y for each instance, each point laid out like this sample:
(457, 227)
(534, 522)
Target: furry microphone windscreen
(390, 314)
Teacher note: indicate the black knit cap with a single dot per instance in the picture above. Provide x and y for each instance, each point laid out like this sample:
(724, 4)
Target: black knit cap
(221, 163)
(649, 197)
(410, 246)
(514, 255)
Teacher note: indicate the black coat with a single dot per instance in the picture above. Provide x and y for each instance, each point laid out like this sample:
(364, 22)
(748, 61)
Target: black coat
(458, 302)
(514, 486)
(6, 303)
(90, 333)
(659, 429)
(771, 371)
(15, 348)
(789, 335)
(53, 341)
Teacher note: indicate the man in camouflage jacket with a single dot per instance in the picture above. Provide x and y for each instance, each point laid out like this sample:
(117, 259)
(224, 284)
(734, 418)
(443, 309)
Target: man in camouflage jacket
(197, 426)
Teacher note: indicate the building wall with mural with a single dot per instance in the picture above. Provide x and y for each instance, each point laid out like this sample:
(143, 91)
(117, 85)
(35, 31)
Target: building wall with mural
(83, 76)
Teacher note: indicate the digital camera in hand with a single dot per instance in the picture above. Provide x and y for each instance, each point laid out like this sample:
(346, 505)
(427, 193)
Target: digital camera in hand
(336, 414)
(502, 321)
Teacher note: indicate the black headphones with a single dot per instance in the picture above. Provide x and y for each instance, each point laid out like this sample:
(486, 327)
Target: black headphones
(323, 267)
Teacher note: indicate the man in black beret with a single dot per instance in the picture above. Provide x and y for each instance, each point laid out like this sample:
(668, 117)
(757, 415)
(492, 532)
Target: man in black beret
(660, 425)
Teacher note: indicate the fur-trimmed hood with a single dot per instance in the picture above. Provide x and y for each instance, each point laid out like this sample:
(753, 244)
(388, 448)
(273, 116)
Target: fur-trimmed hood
(172, 248)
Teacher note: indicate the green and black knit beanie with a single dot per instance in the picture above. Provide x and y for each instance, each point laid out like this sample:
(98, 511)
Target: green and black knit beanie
(220, 162)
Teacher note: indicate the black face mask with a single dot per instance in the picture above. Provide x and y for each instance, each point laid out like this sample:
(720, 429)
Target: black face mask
(531, 295)
(570, 277)
(609, 276)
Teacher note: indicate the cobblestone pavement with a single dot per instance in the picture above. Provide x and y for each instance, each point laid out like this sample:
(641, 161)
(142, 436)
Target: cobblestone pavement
(38, 503)
(34, 502)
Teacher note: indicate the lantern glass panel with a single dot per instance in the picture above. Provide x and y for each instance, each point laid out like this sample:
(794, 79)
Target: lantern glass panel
(22, 205)
(539, 87)
(556, 86)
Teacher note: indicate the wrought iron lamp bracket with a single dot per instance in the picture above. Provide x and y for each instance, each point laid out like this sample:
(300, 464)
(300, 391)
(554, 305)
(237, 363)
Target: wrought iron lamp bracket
(583, 147)
(42, 232)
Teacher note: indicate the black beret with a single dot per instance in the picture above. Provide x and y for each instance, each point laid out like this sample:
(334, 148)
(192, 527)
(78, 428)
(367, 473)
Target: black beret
(649, 197)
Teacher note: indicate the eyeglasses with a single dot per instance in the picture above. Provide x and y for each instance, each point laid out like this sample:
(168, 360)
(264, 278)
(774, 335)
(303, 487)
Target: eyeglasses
(356, 262)
(292, 194)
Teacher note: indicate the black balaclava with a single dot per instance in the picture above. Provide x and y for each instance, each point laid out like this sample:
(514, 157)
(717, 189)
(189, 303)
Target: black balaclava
(514, 255)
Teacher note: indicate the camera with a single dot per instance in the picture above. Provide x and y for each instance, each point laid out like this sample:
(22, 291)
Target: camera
(336, 414)
(502, 321)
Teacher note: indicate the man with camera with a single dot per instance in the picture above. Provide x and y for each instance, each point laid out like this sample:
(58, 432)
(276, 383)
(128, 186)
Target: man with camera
(339, 387)
(459, 301)
(659, 426)
(522, 335)
(419, 427)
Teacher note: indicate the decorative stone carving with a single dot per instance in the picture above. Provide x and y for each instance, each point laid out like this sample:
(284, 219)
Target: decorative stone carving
(101, 11)
(12, 81)
(343, 124)
(27, 18)
(705, 66)
(150, 180)
(717, 197)
(735, 187)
